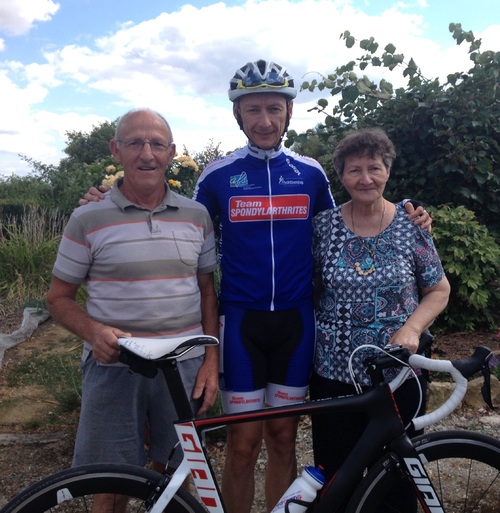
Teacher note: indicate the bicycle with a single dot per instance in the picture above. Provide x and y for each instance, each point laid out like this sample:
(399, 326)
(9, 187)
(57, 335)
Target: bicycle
(444, 467)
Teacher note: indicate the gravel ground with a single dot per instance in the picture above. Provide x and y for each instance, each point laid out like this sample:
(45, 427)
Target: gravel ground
(26, 456)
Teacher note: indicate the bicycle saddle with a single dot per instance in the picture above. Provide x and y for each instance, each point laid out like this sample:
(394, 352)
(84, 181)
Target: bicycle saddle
(154, 348)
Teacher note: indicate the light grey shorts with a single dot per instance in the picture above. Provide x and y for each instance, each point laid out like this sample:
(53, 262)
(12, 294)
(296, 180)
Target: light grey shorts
(117, 405)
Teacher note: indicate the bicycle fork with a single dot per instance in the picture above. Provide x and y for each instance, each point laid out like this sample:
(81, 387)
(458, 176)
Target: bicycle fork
(417, 475)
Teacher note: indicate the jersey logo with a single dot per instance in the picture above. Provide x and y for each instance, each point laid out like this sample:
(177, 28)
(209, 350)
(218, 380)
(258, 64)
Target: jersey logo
(238, 180)
(265, 208)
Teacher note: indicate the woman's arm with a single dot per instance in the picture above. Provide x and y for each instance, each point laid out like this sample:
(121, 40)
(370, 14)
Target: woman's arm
(433, 302)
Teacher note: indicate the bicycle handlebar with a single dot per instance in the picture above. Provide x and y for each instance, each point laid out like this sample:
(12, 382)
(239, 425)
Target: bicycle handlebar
(460, 371)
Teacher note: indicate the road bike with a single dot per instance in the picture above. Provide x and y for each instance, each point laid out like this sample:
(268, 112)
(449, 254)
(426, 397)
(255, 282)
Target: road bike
(450, 471)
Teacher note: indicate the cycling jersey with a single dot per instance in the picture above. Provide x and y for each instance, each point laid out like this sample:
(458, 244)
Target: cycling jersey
(264, 201)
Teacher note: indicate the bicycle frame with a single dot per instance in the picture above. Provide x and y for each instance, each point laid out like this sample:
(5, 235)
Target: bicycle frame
(384, 428)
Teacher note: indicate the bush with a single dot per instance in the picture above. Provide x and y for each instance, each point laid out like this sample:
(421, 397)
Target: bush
(471, 259)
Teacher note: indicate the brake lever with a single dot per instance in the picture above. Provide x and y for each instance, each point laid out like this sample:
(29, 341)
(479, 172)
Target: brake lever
(478, 362)
(486, 387)
(376, 363)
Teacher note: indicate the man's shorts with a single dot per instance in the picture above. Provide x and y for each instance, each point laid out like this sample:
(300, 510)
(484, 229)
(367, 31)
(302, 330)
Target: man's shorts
(117, 405)
(265, 356)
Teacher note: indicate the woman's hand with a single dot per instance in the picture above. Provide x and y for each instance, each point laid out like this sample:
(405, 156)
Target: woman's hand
(407, 336)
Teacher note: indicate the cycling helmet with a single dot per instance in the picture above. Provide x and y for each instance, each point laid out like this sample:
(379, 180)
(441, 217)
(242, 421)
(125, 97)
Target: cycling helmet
(261, 77)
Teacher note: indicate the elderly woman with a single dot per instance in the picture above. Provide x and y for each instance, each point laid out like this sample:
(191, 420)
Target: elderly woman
(379, 280)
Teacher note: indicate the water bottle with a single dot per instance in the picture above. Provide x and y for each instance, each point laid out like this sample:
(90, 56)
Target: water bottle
(304, 488)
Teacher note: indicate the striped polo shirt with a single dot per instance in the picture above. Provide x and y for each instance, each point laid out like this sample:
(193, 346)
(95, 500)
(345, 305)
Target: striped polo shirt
(140, 266)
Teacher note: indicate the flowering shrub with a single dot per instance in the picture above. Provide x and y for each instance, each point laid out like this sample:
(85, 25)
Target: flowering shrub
(183, 174)
(113, 176)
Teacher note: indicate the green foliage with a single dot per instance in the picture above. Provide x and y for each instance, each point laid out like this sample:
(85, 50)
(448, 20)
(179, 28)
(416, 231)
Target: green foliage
(471, 259)
(447, 135)
(67, 182)
(86, 148)
(16, 192)
(88, 164)
(28, 249)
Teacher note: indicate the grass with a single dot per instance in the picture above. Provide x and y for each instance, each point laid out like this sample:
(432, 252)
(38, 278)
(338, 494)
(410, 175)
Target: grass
(28, 248)
(57, 372)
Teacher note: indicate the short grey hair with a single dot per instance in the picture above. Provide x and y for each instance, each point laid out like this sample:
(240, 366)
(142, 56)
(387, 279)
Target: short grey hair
(131, 112)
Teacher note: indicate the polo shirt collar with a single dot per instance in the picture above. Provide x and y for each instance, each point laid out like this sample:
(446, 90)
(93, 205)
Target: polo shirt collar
(169, 200)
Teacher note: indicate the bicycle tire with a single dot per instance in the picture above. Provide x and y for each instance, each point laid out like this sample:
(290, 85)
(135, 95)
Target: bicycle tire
(79, 484)
(464, 468)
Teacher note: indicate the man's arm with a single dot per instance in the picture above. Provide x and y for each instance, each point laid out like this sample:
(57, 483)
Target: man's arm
(64, 309)
(207, 380)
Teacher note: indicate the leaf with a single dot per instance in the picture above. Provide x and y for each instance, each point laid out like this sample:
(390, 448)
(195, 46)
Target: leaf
(350, 93)
(390, 48)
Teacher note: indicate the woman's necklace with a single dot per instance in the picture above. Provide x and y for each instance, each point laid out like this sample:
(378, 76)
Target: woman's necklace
(371, 250)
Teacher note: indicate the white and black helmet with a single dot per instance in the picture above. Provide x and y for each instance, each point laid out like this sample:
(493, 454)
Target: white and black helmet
(261, 77)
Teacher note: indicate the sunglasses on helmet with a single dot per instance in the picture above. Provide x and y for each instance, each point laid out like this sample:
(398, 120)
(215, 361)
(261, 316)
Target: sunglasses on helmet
(271, 79)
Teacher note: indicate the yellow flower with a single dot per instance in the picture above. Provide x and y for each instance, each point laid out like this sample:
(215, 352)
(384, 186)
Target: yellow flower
(110, 168)
(175, 183)
(110, 179)
(186, 161)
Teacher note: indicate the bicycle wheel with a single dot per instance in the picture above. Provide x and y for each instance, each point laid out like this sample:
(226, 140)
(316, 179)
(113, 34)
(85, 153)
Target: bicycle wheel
(464, 468)
(72, 491)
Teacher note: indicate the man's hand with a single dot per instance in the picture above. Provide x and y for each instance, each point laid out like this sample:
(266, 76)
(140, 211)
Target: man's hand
(94, 194)
(420, 216)
(105, 346)
(63, 307)
(207, 380)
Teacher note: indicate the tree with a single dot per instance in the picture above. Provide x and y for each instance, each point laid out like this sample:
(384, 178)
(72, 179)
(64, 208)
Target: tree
(447, 135)
(448, 143)
(89, 147)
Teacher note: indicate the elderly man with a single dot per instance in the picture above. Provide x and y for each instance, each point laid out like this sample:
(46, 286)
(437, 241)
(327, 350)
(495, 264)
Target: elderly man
(147, 257)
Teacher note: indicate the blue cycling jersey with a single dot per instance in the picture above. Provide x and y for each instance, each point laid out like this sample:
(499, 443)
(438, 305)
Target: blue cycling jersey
(264, 202)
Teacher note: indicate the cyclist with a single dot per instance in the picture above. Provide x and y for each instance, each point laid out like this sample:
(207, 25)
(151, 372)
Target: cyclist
(264, 197)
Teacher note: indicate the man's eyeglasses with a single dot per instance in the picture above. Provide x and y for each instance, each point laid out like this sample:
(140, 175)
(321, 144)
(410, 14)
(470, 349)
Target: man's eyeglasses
(136, 145)
(271, 79)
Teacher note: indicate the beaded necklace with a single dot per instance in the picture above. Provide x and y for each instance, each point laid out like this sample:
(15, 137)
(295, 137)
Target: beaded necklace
(371, 250)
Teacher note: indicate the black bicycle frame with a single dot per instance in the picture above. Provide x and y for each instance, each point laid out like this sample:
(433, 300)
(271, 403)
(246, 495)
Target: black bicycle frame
(384, 428)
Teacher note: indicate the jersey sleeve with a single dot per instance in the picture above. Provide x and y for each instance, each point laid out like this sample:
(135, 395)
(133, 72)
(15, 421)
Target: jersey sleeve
(205, 194)
(324, 199)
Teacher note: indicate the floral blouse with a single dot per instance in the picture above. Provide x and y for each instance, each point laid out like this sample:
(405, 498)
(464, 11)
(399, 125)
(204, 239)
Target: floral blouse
(366, 309)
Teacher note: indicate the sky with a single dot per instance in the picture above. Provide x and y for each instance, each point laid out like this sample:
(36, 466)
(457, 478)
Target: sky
(70, 65)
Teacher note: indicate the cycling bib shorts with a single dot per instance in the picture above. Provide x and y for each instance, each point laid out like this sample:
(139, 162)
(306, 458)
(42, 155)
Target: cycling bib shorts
(265, 356)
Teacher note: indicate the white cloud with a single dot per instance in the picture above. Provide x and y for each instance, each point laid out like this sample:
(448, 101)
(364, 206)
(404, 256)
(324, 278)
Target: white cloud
(180, 64)
(18, 16)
